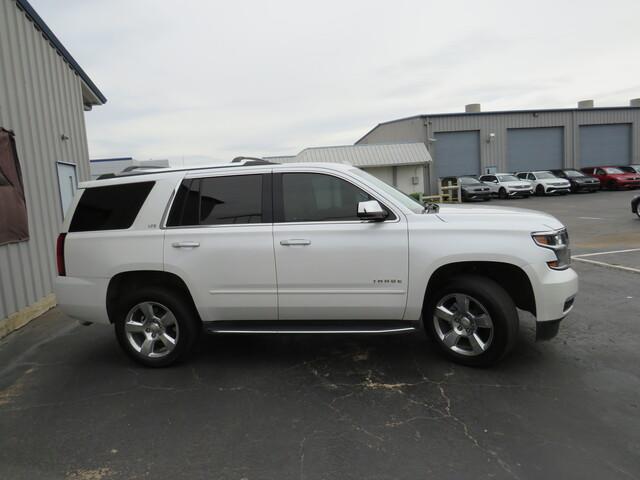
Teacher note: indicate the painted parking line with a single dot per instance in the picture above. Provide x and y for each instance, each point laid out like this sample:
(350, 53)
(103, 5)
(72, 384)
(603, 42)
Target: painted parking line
(607, 253)
(590, 218)
(609, 265)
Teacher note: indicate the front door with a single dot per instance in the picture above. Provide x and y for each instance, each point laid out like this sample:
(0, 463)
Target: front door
(331, 265)
(219, 240)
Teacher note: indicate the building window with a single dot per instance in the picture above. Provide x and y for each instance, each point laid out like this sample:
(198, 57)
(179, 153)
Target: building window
(14, 225)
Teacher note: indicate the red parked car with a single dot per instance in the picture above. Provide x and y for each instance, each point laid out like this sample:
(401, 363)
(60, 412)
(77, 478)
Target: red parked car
(613, 178)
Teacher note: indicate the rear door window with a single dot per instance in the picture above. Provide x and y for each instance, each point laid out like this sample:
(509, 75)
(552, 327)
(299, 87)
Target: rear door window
(112, 207)
(224, 200)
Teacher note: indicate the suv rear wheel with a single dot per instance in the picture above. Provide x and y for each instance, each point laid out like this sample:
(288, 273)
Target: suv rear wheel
(472, 320)
(155, 327)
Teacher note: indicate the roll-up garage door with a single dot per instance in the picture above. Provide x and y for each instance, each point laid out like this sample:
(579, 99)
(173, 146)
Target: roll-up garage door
(605, 145)
(535, 148)
(457, 153)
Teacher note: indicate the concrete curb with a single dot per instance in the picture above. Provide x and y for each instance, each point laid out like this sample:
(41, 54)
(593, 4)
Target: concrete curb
(20, 318)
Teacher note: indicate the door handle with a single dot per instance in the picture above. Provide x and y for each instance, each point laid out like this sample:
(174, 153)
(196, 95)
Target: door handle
(295, 241)
(185, 244)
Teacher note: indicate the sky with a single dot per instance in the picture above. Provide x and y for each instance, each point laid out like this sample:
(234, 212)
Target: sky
(197, 81)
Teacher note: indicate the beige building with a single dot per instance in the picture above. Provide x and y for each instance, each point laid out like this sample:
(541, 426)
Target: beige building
(44, 95)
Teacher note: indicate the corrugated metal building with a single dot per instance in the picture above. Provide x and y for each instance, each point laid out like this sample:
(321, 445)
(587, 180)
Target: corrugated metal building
(403, 165)
(43, 96)
(476, 142)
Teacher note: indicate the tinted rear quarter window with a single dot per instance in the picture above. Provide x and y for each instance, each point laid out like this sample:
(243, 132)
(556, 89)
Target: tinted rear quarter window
(112, 207)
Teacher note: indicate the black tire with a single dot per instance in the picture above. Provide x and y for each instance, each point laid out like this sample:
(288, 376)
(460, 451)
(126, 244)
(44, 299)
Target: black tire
(502, 193)
(540, 190)
(497, 303)
(188, 326)
(611, 185)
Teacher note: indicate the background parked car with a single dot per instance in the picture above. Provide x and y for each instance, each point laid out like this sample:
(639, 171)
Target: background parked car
(580, 182)
(545, 182)
(635, 205)
(505, 185)
(471, 188)
(613, 178)
(633, 168)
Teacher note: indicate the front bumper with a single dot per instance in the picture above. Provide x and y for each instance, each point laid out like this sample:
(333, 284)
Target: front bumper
(633, 184)
(590, 187)
(554, 290)
(469, 196)
(564, 189)
(520, 193)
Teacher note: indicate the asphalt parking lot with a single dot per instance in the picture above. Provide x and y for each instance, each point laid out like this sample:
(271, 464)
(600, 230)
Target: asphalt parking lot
(339, 407)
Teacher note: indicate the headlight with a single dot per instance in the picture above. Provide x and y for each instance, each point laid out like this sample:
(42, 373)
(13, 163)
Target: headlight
(558, 241)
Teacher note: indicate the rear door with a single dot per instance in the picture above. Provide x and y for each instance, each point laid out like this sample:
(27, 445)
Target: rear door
(330, 264)
(219, 239)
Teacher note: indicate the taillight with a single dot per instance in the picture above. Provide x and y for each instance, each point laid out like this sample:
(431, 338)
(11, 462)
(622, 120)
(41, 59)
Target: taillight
(60, 254)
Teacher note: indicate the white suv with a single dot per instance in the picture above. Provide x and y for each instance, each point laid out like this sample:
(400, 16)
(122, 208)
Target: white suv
(505, 185)
(255, 247)
(545, 183)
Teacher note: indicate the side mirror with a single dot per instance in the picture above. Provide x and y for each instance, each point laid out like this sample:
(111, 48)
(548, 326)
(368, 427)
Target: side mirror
(371, 210)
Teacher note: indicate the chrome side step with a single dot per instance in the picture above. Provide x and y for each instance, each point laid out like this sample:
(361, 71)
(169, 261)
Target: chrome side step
(311, 327)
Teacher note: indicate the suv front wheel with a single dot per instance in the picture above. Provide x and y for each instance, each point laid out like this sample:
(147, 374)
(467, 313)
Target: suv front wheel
(156, 328)
(472, 320)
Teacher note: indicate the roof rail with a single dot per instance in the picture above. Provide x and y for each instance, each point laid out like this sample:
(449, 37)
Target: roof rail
(252, 161)
(149, 170)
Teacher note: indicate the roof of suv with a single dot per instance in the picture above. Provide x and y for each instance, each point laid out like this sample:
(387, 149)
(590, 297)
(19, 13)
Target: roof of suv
(159, 173)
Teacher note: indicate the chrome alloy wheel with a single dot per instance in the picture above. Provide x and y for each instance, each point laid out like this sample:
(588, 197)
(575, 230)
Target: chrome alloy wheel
(151, 329)
(463, 324)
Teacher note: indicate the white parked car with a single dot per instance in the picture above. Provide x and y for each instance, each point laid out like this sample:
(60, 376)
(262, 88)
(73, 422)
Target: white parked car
(506, 185)
(255, 247)
(545, 182)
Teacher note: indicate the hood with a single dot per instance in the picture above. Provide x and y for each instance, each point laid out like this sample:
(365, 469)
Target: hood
(585, 180)
(504, 218)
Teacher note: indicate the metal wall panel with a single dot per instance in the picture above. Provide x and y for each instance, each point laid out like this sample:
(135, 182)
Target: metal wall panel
(535, 148)
(493, 149)
(605, 145)
(40, 100)
(457, 153)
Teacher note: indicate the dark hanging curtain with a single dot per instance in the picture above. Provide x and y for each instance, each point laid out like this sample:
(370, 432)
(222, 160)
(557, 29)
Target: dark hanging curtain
(13, 207)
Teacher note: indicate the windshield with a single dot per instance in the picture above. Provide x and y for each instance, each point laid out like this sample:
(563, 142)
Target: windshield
(508, 178)
(613, 170)
(469, 181)
(574, 173)
(394, 193)
(543, 175)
